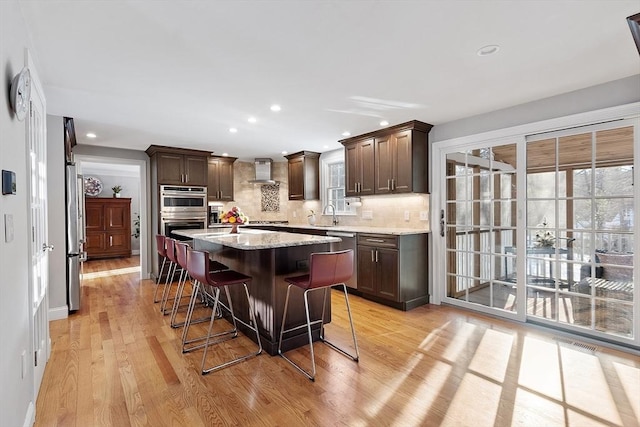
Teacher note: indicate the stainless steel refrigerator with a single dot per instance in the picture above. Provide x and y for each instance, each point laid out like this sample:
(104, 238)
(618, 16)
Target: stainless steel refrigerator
(74, 194)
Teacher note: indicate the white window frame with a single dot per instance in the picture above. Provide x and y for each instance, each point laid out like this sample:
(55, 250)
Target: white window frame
(326, 160)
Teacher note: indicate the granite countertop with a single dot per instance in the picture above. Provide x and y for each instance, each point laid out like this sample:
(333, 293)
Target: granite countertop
(251, 239)
(353, 228)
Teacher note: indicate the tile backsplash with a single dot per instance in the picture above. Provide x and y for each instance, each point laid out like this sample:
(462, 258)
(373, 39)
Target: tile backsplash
(385, 211)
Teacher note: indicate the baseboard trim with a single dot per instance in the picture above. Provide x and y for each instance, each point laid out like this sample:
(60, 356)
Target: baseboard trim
(30, 416)
(57, 313)
(135, 252)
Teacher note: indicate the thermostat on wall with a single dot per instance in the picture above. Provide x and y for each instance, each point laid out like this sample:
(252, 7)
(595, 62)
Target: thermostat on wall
(8, 182)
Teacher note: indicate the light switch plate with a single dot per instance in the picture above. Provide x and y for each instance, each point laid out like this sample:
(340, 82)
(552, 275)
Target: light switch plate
(424, 215)
(407, 215)
(8, 228)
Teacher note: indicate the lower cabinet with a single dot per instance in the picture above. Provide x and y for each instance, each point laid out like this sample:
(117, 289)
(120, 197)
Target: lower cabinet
(108, 227)
(392, 269)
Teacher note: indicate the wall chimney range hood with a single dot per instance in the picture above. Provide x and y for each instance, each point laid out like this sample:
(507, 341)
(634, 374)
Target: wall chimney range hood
(263, 172)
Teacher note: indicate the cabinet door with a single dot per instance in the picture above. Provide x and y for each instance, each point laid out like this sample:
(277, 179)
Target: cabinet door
(195, 170)
(402, 163)
(226, 181)
(366, 269)
(383, 164)
(367, 155)
(170, 168)
(94, 216)
(118, 242)
(352, 159)
(118, 217)
(387, 273)
(296, 178)
(95, 243)
(213, 180)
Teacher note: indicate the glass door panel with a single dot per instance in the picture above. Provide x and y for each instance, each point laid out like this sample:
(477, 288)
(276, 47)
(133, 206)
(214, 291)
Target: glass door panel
(580, 240)
(480, 222)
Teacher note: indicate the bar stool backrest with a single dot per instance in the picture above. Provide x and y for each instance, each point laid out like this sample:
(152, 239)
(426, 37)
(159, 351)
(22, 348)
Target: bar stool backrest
(171, 249)
(181, 254)
(161, 244)
(330, 268)
(198, 265)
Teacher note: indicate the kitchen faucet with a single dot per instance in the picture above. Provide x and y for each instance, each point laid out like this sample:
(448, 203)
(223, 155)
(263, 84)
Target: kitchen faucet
(334, 219)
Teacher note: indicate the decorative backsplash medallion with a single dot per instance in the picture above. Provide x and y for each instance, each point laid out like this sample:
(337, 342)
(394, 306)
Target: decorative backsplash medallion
(270, 198)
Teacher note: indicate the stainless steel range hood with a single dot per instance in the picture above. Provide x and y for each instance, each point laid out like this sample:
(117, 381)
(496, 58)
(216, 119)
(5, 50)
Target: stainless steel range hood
(263, 172)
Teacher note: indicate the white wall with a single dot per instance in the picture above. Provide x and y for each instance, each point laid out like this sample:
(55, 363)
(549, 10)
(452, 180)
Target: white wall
(16, 392)
(56, 215)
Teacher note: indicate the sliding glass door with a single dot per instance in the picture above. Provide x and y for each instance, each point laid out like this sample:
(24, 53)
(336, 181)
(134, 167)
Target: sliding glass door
(542, 228)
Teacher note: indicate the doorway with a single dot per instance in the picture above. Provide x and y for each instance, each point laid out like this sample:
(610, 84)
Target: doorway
(131, 176)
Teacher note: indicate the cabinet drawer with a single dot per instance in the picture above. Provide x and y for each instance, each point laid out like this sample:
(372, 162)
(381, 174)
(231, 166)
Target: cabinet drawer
(378, 240)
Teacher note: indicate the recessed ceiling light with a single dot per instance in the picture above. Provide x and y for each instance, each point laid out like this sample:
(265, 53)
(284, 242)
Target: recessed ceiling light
(488, 50)
(252, 120)
(225, 154)
(233, 130)
(346, 133)
(284, 152)
(275, 107)
(384, 123)
(325, 146)
(91, 135)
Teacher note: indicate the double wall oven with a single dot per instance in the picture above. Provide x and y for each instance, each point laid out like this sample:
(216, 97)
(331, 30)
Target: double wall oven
(182, 208)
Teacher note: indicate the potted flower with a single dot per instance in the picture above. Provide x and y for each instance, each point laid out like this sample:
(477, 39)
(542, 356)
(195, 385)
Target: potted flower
(544, 238)
(116, 190)
(234, 217)
(311, 217)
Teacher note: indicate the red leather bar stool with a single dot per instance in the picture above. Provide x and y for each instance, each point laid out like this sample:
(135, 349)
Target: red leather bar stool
(181, 256)
(326, 269)
(162, 251)
(198, 265)
(173, 266)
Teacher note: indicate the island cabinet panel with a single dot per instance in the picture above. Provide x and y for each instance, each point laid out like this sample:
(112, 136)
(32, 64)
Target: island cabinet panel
(359, 170)
(220, 179)
(304, 175)
(176, 166)
(108, 227)
(392, 269)
(399, 159)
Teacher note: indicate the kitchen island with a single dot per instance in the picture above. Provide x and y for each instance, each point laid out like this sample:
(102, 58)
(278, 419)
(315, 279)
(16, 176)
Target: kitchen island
(268, 257)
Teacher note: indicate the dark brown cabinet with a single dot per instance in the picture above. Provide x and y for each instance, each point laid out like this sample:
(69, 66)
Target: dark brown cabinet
(220, 179)
(392, 269)
(175, 166)
(359, 167)
(304, 175)
(399, 155)
(108, 227)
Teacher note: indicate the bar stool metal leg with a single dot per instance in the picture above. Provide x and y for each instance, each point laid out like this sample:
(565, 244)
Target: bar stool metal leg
(155, 291)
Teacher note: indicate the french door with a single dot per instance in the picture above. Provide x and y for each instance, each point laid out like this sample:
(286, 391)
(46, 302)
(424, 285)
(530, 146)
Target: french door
(39, 247)
(542, 228)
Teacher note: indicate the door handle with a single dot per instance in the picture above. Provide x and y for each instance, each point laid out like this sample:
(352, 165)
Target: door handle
(372, 256)
(376, 255)
(442, 222)
(393, 184)
(47, 248)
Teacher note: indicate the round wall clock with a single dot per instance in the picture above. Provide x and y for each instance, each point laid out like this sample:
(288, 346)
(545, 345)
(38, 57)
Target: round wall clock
(92, 186)
(21, 93)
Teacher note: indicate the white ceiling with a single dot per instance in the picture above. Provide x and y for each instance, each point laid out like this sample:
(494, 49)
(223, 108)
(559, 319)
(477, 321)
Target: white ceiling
(181, 73)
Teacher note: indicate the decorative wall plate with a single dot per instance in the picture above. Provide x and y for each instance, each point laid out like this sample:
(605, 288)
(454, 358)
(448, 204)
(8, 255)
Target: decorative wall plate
(92, 186)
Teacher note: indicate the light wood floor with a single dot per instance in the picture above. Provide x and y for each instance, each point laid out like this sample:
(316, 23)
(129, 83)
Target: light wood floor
(117, 363)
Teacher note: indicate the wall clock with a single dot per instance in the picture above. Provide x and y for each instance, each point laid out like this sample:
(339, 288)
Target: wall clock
(21, 93)
(92, 186)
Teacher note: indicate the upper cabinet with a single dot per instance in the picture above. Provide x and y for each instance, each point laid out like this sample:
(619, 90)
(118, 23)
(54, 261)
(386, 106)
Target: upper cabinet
(178, 166)
(388, 161)
(304, 175)
(360, 176)
(220, 173)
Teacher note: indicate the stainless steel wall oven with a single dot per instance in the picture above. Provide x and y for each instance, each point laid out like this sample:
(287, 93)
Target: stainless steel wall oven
(182, 208)
(183, 199)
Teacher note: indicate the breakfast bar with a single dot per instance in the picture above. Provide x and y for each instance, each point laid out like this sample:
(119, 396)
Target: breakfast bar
(268, 257)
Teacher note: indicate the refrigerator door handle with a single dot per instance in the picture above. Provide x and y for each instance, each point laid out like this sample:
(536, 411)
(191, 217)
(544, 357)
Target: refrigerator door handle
(46, 247)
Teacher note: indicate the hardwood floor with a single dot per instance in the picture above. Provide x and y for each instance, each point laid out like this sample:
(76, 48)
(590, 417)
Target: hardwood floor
(117, 362)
